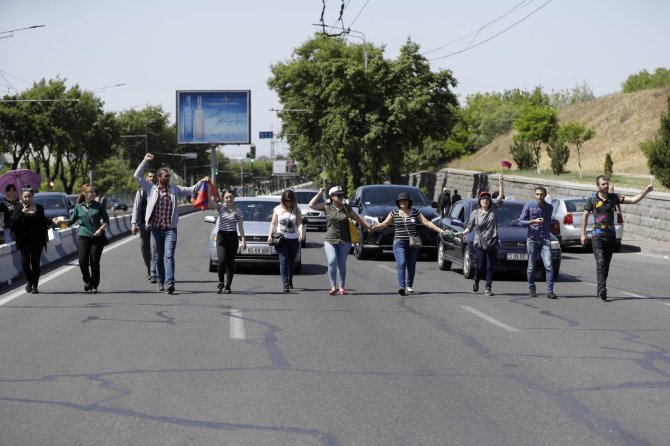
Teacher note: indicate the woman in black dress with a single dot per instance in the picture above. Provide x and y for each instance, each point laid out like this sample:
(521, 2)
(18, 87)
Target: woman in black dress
(29, 230)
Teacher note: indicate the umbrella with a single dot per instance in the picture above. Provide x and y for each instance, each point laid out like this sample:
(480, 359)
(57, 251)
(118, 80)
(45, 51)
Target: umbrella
(20, 178)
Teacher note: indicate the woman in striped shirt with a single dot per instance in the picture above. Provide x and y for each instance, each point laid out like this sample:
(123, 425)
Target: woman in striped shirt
(227, 241)
(404, 220)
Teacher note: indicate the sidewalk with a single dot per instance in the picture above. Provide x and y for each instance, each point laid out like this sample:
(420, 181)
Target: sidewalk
(645, 246)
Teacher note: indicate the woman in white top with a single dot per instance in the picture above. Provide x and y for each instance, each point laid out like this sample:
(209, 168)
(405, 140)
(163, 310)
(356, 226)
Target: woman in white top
(228, 240)
(287, 219)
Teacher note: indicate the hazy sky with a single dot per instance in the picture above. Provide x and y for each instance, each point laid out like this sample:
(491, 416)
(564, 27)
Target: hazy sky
(157, 47)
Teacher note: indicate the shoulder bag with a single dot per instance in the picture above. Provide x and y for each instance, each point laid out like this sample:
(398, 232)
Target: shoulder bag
(414, 240)
(486, 244)
(353, 232)
(278, 237)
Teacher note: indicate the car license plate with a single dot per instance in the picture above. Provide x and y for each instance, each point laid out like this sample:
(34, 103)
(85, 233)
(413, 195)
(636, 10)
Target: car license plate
(517, 256)
(264, 250)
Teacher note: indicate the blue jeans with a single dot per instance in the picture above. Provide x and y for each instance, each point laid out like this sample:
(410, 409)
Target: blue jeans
(543, 247)
(405, 260)
(165, 241)
(486, 262)
(287, 253)
(337, 261)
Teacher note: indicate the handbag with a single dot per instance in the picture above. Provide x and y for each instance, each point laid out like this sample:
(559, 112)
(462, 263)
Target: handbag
(277, 238)
(353, 232)
(486, 244)
(414, 240)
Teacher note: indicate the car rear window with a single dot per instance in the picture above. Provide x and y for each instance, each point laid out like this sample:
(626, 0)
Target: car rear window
(575, 205)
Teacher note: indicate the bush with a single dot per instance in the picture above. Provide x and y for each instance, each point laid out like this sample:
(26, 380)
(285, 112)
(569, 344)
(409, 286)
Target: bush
(658, 150)
(608, 169)
(559, 152)
(523, 155)
(644, 80)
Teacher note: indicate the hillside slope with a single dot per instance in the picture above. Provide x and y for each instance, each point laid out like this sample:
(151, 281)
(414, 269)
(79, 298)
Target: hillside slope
(621, 121)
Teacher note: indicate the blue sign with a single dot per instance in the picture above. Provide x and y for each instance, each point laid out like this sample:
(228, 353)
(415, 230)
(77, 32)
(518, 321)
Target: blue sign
(265, 135)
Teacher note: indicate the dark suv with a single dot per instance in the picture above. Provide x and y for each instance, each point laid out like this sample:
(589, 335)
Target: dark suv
(56, 204)
(374, 202)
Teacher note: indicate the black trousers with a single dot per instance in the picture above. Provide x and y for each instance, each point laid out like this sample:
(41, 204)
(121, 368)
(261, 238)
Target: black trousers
(148, 250)
(30, 262)
(90, 251)
(603, 248)
(226, 250)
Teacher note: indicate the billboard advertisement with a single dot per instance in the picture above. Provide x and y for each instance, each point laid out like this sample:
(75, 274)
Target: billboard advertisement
(285, 167)
(214, 117)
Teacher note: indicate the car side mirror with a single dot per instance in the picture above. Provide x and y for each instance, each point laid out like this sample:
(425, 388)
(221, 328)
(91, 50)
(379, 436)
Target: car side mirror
(457, 222)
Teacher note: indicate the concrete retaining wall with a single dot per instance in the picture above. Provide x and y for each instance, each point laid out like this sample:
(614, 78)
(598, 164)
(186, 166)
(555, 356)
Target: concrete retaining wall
(10, 258)
(649, 219)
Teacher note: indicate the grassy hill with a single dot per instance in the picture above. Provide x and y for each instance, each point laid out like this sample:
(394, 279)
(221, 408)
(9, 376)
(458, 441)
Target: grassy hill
(621, 121)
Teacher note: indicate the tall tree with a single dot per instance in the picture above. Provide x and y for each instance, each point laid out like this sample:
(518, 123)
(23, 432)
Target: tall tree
(577, 134)
(536, 125)
(658, 150)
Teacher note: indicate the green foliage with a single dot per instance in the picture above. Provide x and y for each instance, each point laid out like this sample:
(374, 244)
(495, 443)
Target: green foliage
(576, 133)
(559, 152)
(658, 150)
(522, 153)
(536, 125)
(579, 93)
(608, 168)
(645, 80)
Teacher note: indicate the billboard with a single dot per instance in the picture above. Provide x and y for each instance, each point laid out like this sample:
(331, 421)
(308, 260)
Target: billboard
(285, 167)
(214, 117)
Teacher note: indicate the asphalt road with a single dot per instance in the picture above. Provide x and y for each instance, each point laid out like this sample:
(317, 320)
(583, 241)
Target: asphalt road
(444, 366)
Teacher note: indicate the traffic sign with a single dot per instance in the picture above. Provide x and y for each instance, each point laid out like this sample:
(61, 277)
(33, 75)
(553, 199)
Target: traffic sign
(324, 175)
(265, 135)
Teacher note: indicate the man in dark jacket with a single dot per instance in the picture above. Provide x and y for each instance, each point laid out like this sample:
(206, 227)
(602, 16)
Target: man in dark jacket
(138, 223)
(444, 201)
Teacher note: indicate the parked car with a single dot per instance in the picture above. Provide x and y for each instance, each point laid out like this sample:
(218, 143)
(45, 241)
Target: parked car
(55, 204)
(374, 202)
(569, 211)
(512, 238)
(312, 218)
(257, 212)
(73, 199)
(116, 204)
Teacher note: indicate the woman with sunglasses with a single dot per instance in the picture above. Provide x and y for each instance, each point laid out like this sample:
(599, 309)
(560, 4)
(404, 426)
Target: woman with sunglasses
(485, 222)
(93, 220)
(287, 219)
(29, 229)
(337, 242)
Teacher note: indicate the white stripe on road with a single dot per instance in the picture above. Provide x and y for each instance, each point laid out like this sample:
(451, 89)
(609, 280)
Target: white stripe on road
(387, 268)
(59, 272)
(634, 295)
(237, 325)
(490, 319)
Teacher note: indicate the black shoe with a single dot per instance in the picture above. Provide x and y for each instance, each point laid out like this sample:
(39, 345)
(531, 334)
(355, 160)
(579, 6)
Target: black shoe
(290, 284)
(34, 290)
(170, 288)
(603, 294)
(475, 286)
(226, 291)
(219, 288)
(489, 292)
(29, 288)
(286, 289)
(401, 291)
(87, 287)
(94, 291)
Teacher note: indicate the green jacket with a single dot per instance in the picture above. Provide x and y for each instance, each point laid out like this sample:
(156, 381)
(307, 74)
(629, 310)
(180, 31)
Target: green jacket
(90, 218)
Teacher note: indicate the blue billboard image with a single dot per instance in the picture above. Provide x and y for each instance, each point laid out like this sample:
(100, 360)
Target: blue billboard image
(214, 117)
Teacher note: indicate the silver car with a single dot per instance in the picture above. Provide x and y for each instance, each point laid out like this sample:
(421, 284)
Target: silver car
(312, 218)
(257, 213)
(568, 212)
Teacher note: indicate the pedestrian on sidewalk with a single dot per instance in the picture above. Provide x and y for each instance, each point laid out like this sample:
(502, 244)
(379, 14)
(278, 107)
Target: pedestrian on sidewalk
(485, 222)
(29, 228)
(138, 223)
(231, 220)
(162, 215)
(537, 215)
(91, 240)
(287, 219)
(603, 235)
(337, 241)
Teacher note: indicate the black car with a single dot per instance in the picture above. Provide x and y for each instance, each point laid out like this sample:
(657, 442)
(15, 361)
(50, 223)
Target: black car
(512, 237)
(115, 204)
(374, 202)
(55, 204)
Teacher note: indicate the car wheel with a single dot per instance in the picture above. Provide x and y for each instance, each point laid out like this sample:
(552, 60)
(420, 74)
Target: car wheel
(468, 267)
(442, 264)
(360, 252)
(212, 266)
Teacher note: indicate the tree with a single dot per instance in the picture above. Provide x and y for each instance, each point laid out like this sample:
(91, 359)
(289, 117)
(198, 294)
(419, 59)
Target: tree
(658, 150)
(522, 154)
(559, 152)
(575, 133)
(644, 80)
(536, 125)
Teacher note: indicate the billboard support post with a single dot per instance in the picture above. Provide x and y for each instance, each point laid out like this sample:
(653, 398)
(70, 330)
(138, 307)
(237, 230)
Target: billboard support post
(214, 166)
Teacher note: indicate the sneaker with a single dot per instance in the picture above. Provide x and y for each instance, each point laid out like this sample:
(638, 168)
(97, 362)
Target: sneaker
(219, 288)
(332, 291)
(532, 293)
(603, 294)
(153, 280)
(475, 286)
(170, 288)
(94, 291)
(227, 291)
(160, 288)
(29, 288)
(551, 295)
(488, 292)
(286, 288)
(401, 291)
(34, 290)
(409, 289)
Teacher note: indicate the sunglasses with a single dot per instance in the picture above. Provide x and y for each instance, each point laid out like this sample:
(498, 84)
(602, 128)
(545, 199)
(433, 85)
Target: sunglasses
(337, 195)
(288, 201)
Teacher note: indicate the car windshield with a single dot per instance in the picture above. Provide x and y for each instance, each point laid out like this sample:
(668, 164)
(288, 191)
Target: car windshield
(256, 210)
(304, 197)
(508, 214)
(50, 203)
(388, 195)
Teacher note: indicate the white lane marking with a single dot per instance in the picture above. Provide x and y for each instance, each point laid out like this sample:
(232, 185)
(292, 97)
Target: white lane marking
(387, 268)
(657, 256)
(237, 325)
(634, 295)
(490, 319)
(60, 272)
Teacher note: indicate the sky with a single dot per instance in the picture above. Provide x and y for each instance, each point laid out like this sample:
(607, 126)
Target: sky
(156, 47)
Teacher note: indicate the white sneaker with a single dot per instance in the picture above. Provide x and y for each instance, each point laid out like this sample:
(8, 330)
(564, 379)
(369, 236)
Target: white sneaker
(409, 289)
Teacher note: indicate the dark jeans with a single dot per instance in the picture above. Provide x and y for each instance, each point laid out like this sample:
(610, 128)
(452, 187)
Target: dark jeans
(287, 252)
(486, 261)
(90, 251)
(148, 250)
(30, 262)
(603, 248)
(227, 244)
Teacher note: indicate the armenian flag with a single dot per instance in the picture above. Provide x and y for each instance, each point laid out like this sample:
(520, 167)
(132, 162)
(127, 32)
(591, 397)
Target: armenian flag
(207, 191)
(506, 164)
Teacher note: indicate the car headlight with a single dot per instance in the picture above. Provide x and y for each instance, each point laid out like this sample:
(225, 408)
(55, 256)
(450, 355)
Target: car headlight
(555, 245)
(370, 220)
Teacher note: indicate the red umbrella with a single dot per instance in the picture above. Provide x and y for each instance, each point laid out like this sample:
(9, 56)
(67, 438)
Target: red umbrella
(20, 178)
